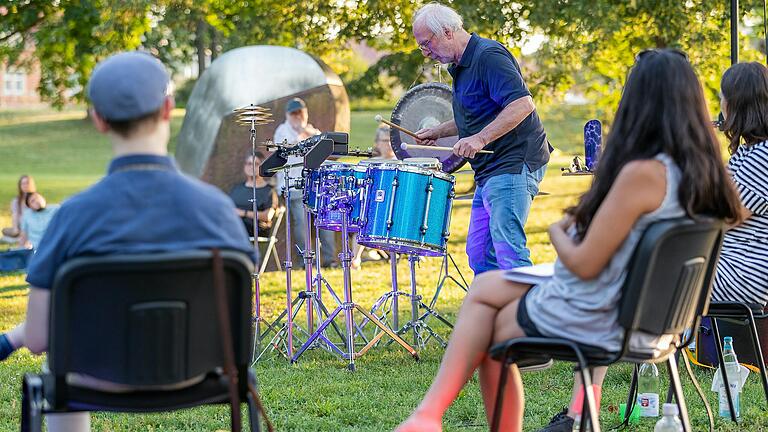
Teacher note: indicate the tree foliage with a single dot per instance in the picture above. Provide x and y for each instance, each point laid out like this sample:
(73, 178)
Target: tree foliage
(587, 46)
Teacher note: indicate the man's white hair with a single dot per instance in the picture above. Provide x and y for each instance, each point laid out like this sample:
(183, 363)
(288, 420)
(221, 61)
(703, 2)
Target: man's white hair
(438, 17)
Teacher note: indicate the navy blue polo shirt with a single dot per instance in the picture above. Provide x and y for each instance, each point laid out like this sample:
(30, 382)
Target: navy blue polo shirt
(143, 205)
(485, 81)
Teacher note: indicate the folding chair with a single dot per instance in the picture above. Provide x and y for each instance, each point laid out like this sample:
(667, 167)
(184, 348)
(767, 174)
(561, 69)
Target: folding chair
(149, 324)
(669, 278)
(271, 241)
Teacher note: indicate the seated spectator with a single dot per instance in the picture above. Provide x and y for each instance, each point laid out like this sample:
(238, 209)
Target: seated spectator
(661, 160)
(382, 147)
(25, 185)
(295, 128)
(742, 274)
(266, 197)
(35, 220)
(134, 208)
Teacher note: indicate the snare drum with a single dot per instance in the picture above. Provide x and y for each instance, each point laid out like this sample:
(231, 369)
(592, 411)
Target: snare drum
(336, 180)
(407, 209)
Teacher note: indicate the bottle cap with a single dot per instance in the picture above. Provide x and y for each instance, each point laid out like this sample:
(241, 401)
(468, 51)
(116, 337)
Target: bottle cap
(727, 339)
(670, 409)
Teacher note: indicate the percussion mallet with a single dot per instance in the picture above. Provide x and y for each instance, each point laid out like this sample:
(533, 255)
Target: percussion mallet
(381, 119)
(406, 146)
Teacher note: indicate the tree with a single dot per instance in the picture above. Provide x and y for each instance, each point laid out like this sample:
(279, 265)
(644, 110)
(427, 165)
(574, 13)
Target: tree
(588, 46)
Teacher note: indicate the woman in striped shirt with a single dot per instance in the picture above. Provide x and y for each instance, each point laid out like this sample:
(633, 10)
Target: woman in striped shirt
(742, 271)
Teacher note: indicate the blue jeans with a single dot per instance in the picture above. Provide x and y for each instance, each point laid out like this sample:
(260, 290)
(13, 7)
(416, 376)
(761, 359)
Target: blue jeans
(496, 238)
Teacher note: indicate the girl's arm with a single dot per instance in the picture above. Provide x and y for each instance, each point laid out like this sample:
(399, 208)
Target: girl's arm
(639, 189)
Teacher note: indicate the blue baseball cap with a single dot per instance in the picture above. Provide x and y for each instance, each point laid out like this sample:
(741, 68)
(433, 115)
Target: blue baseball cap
(128, 86)
(294, 104)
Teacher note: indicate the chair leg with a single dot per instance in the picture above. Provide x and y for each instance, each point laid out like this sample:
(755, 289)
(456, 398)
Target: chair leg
(721, 362)
(592, 420)
(631, 397)
(253, 414)
(671, 390)
(503, 376)
(758, 352)
(674, 378)
(31, 404)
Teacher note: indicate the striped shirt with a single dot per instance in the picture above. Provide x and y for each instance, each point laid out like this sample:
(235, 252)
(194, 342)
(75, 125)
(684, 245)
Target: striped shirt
(742, 271)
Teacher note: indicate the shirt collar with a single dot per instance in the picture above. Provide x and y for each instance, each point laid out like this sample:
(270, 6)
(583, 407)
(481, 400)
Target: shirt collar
(123, 162)
(469, 51)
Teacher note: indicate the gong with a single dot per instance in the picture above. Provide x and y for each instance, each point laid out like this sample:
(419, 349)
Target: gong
(426, 105)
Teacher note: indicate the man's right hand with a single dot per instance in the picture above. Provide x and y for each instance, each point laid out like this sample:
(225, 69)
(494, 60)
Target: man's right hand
(427, 136)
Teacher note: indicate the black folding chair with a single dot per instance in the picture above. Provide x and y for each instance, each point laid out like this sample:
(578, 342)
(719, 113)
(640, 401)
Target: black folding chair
(668, 281)
(744, 313)
(148, 324)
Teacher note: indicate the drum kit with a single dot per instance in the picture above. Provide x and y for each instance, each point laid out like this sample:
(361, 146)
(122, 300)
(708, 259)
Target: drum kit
(398, 206)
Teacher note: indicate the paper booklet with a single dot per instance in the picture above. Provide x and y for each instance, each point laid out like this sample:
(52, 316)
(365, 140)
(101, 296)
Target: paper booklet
(533, 275)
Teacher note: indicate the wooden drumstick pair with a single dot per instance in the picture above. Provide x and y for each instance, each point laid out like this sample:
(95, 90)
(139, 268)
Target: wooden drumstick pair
(406, 146)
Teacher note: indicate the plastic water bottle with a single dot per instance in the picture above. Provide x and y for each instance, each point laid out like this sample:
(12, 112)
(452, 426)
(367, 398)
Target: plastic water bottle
(648, 390)
(670, 422)
(733, 371)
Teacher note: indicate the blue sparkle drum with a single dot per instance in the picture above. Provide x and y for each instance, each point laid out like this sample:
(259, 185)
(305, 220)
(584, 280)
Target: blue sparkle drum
(339, 186)
(407, 209)
(311, 192)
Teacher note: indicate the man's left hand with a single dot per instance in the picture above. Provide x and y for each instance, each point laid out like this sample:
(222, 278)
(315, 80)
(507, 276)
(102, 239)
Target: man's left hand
(469, 146)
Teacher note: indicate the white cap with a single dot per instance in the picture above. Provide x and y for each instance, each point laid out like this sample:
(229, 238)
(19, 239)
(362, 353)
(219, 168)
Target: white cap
(670, 409)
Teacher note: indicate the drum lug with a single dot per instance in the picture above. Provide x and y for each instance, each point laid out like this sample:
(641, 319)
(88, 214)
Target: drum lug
(424, 226)
(395, 183)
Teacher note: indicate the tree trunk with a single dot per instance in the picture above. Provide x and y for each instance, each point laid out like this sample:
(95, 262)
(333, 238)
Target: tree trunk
(214, 43)
(200, 46)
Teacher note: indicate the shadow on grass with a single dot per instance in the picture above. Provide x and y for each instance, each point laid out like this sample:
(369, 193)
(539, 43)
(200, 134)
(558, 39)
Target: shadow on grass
(12, 289)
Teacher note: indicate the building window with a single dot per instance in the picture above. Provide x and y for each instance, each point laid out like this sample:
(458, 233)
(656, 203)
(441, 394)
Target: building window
(14, 83)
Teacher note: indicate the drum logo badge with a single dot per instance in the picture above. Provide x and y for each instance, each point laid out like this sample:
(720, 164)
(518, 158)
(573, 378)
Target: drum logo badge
(380, 195)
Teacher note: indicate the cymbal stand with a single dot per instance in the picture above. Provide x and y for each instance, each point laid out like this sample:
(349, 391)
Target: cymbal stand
(342, 200)
(252, 116)
(445, 276)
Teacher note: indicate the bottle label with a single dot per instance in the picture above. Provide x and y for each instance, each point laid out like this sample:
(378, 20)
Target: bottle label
(649, 404)
(724, 410)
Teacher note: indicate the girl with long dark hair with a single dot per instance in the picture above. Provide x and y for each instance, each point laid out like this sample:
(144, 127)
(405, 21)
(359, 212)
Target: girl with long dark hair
(662, 160)
(742, 273)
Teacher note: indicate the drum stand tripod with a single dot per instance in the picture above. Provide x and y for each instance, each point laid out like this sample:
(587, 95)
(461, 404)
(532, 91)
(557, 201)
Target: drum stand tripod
(342, 201)
(389, 304)
(445, 276)
(284, 335)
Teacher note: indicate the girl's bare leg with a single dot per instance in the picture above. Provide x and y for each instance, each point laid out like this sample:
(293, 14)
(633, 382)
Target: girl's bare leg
(469, 343)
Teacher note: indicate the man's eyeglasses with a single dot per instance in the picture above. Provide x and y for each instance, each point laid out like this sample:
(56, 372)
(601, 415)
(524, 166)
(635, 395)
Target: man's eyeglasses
(653, 51)
(424, 46)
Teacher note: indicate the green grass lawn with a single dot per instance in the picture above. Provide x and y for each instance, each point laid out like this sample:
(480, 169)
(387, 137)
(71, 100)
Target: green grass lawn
(65, 155)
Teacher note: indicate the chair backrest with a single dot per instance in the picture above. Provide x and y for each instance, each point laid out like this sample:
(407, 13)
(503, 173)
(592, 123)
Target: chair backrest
(147, 319)
(670, 275)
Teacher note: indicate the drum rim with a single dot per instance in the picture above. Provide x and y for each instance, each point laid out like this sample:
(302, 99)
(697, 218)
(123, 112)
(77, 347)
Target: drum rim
(399, 241)
(415, 169)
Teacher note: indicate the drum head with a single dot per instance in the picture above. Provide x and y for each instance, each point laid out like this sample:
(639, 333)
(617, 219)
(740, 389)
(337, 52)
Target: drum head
(425, 105)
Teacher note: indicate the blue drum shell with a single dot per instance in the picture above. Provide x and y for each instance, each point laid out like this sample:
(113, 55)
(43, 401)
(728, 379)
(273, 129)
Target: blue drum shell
(408, 210)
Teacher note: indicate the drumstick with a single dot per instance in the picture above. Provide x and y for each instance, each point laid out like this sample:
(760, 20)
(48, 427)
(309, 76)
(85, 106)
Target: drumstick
(380, 119)
(405, 146)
